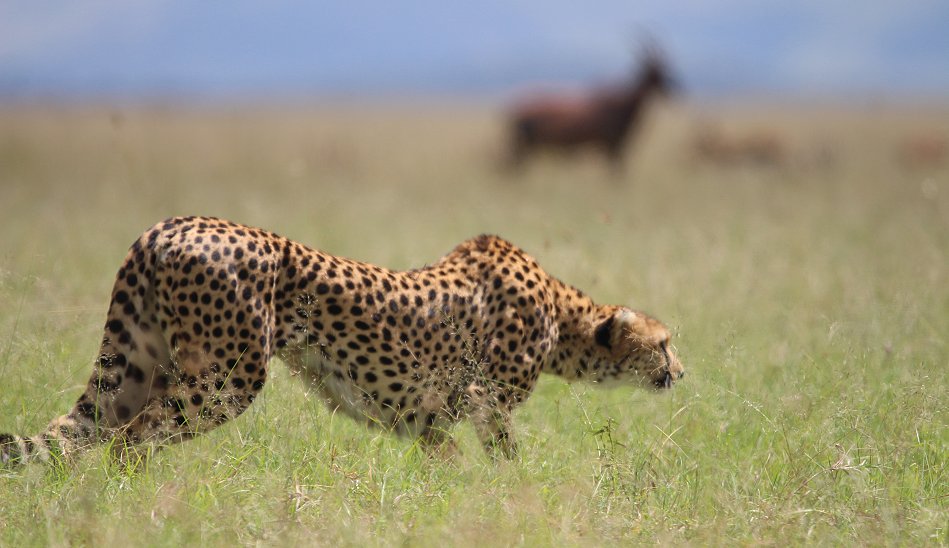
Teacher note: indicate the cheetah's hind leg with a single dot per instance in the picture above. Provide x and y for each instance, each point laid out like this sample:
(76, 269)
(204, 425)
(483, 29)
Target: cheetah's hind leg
(209, 389)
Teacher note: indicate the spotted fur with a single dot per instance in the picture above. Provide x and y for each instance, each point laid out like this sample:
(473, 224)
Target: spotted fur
(200, 306)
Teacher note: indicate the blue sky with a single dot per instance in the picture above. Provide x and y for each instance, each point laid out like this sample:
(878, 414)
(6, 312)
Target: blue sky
(291, 47)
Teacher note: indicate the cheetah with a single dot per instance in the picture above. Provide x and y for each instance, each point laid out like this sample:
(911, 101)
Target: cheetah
(201, 305)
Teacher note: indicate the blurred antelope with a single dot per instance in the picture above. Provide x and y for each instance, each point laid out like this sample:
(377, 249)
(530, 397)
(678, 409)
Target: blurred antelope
(760, 148)
(923, 150)
(602, 119)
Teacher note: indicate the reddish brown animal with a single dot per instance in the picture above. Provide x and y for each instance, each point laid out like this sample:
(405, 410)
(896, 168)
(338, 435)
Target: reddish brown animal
(762, 147)
(923, 150)
(604, 119)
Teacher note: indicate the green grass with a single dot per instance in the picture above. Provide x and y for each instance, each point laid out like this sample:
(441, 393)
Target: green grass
(811, 308)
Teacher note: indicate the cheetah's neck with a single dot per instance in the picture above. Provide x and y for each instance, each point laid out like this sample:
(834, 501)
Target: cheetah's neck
(577, 319)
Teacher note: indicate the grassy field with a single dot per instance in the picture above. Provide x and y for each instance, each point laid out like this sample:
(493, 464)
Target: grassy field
(810, 303)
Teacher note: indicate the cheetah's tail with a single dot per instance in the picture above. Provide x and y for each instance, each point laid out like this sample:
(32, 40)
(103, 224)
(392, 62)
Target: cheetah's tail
(78, 429)
(63, 437)
(16, 450)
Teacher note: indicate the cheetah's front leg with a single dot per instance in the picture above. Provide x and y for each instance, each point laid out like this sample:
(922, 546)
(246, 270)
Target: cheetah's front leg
(492, 421)
(438, 442)
(494, 430)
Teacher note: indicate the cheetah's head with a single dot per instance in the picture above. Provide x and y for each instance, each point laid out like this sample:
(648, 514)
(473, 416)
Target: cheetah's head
(635, 346)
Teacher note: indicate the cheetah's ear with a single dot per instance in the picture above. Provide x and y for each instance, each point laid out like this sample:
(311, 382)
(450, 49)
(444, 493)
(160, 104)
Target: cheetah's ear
(627, 317)
(630, 322)
(604, 333)
(622, 318)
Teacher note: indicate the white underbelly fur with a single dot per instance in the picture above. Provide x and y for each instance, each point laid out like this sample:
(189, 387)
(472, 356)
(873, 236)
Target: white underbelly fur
(340, 394)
